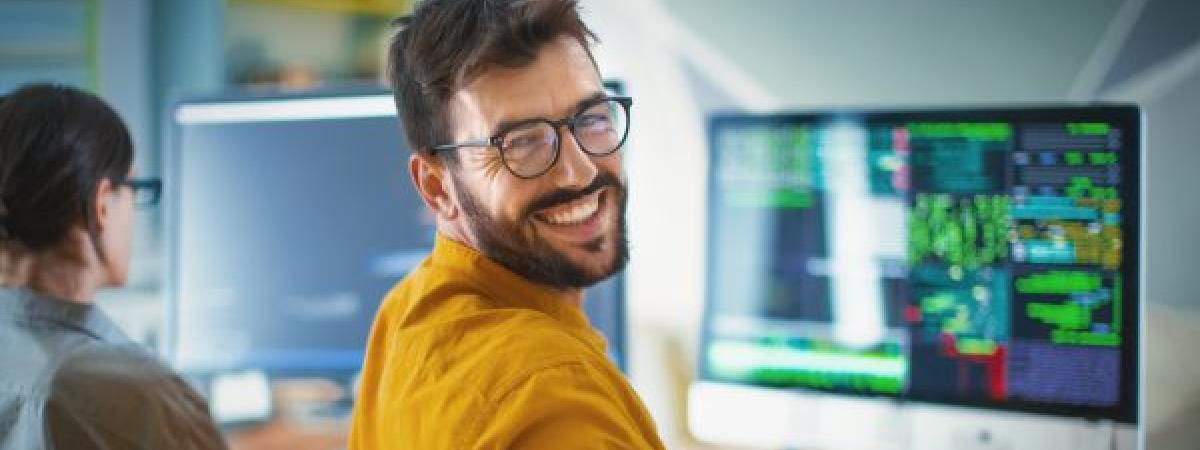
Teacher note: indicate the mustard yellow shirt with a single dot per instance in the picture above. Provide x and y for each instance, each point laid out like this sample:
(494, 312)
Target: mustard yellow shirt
(465, 354)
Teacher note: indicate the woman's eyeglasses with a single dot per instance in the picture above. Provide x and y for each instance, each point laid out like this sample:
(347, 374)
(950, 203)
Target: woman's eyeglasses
(146, 191)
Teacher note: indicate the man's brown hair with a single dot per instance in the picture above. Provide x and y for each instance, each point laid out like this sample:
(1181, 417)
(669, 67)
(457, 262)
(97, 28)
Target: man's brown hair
(445, 44)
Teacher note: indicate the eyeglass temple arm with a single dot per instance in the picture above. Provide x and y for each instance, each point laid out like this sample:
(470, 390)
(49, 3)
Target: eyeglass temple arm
(476, 143)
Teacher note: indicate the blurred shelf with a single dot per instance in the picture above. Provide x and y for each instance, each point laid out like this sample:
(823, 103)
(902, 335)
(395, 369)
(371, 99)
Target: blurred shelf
(389, 8)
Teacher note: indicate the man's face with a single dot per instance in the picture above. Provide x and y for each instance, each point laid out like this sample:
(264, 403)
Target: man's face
(565, 228)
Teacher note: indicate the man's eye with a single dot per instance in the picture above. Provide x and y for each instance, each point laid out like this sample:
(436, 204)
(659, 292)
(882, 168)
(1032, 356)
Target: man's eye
(593, 121)
(524, 141)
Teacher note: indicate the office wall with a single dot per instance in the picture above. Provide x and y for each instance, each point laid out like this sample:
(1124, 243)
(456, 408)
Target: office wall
(1158, 66)
(1173, 213)
(821, 53)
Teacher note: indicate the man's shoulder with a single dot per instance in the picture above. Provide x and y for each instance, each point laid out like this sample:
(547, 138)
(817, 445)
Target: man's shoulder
(463, 336)
(429, 301)
(469, 330)
(443, 328)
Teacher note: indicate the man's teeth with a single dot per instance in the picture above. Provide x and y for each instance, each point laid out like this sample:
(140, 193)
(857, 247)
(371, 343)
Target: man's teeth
(573, 214)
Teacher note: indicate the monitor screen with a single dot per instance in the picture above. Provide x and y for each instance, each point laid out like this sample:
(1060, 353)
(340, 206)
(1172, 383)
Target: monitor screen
(290, 219)
(969, 257)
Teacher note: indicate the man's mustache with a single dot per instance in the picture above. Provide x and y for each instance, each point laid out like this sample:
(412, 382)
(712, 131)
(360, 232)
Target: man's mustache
(560, 196)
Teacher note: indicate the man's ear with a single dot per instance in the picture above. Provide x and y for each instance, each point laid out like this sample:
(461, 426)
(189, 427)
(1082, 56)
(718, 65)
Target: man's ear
(430, 179)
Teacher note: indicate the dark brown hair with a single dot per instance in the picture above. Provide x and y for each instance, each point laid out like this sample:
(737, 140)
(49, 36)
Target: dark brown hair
(445, 44)
(56, 145)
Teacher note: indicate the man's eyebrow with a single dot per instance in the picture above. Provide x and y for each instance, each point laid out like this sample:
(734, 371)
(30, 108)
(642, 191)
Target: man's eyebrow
(509, 124)
(588, 101)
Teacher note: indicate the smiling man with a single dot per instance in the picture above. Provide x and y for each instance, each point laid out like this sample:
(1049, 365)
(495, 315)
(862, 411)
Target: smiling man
(517, 152)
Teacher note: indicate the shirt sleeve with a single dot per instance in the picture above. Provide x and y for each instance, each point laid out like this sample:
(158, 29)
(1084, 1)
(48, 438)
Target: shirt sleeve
(562, 406)
(122, 399)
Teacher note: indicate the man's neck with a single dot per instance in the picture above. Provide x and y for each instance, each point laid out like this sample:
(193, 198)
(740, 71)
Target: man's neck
(574, 296)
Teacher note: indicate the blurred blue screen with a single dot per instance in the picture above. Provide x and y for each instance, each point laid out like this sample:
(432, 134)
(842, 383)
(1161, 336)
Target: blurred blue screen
(290, 219)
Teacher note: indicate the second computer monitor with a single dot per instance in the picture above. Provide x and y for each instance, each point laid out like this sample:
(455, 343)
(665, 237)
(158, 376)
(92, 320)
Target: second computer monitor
(984, 258)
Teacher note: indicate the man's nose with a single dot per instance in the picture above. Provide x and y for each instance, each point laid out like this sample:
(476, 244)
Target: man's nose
(575, 168)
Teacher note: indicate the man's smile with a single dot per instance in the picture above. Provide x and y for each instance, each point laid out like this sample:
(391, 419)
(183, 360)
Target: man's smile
(580, 220)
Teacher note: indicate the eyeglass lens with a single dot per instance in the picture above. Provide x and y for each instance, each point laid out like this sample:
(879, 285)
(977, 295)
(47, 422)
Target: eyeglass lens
(531, 149)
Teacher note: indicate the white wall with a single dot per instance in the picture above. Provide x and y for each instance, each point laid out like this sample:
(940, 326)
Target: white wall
(829, 53)
(1169, 93)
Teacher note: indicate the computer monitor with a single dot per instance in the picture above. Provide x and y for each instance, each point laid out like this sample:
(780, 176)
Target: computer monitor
(890, 263)
(290, 217)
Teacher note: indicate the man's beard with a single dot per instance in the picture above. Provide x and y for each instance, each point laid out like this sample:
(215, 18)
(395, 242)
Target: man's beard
(519, 249)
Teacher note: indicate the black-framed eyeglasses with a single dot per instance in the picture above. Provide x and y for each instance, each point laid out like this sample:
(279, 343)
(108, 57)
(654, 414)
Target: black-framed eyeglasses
(146, 191)
(530, 148)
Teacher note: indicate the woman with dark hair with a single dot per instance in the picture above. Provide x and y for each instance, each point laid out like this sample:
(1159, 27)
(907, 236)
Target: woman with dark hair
(69, 378)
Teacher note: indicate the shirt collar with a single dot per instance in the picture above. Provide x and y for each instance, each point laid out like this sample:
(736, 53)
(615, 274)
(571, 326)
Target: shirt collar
(20, 303)
(504, 287)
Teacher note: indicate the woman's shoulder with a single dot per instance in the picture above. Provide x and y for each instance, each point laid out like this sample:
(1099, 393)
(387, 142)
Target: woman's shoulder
(118, 379)
(126, 394)
(94, 362)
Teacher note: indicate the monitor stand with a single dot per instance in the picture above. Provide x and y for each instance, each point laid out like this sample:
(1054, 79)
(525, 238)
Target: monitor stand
(768, 418)
(935, 427)
(741, 415)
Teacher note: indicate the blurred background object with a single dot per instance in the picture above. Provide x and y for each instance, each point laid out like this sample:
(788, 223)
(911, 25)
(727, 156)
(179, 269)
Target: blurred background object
(681, 60)
(343, 42)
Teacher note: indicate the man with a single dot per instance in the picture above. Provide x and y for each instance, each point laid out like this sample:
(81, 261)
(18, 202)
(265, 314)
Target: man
(517, 154)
